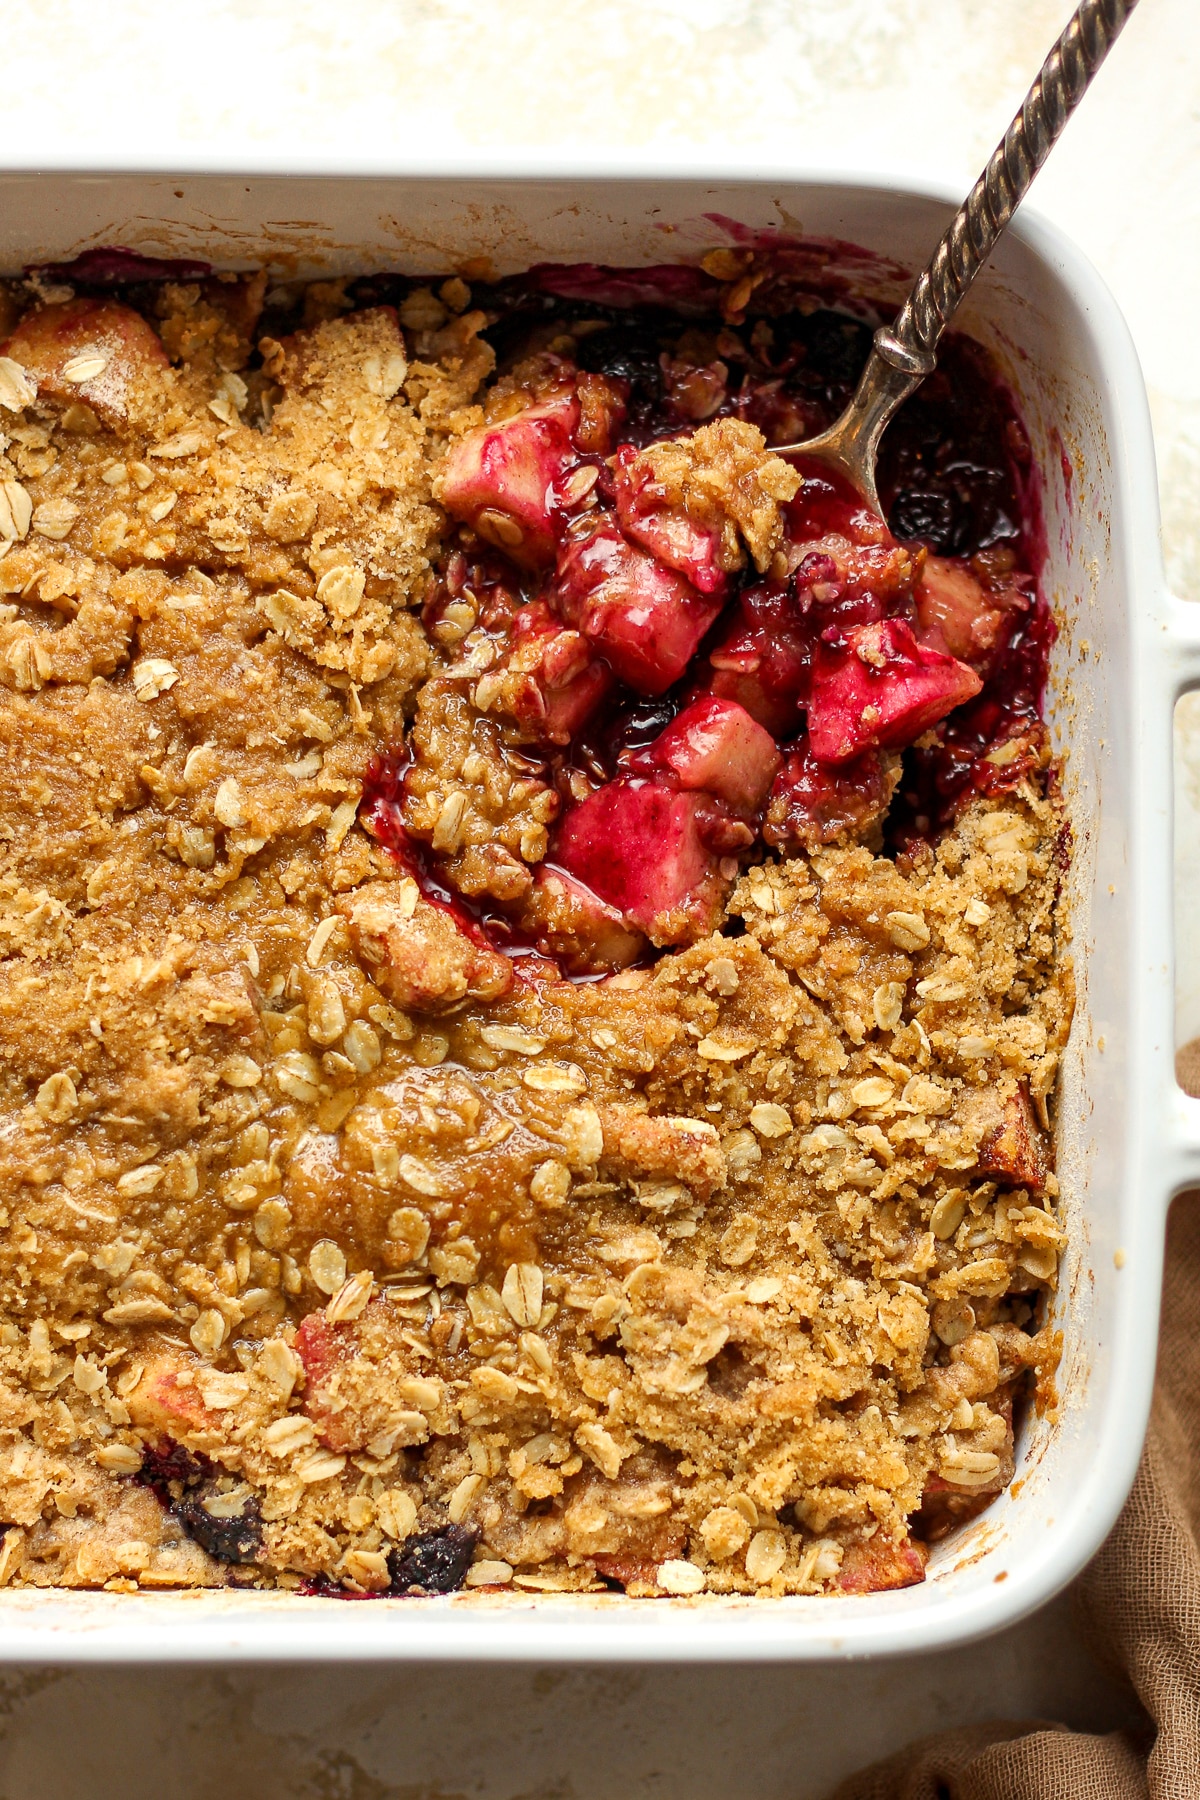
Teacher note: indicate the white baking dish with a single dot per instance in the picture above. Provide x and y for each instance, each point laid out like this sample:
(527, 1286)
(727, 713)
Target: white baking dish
(1129, 1140)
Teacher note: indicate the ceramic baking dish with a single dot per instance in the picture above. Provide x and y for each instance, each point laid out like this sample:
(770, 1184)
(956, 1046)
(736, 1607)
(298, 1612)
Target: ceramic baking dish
(1128, 1138)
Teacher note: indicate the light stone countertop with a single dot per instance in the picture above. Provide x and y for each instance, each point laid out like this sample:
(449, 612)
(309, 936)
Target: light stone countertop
(920, 85)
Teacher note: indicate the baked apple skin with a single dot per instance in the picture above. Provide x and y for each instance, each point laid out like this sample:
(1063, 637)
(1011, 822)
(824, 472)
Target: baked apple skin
(644, 619)
(638, 847)
(880, 688)
(498, 478)
(667, 532)
(715, 745)
(97, 353)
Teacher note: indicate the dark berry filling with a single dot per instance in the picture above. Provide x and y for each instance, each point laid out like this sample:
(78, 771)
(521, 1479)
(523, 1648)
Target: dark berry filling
(234, 1540)
(435, 1562)
(181, 1481)
(688, 713)
(111, 266)
(432, 1562)
(168, 1470)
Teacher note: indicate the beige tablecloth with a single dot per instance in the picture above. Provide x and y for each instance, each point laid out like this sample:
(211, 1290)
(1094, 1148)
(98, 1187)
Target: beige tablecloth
(1139, 1601)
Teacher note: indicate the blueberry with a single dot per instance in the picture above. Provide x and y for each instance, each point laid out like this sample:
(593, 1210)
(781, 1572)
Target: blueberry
(169, 1463)
(837, 346)
(924, 514)
(237, 1540)
(435, 1562)
(628, 352)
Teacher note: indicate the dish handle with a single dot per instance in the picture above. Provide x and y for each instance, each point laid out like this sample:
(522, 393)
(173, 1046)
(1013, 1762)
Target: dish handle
(1182, 623)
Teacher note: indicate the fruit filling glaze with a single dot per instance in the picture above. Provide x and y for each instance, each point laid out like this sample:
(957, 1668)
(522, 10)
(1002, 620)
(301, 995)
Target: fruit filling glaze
(531, 982)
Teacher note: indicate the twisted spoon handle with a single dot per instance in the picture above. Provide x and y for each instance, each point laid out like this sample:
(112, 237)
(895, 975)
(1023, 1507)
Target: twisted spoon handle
(1060, 86)
(903, 353)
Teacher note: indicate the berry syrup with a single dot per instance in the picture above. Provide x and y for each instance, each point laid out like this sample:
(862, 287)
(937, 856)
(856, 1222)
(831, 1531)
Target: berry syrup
(956, 483)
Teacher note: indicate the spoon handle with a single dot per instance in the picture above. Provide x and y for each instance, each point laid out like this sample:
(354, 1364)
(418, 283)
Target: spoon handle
(903, 353)
(1061, 83)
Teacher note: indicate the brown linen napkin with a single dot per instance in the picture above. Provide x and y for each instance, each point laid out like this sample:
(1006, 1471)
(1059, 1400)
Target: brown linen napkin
(1139, 1601)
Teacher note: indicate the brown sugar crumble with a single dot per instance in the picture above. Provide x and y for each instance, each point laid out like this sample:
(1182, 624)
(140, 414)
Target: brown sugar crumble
(532, 980)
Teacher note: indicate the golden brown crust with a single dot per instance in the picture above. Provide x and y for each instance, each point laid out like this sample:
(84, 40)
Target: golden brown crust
(723, 1261)
(724, 479)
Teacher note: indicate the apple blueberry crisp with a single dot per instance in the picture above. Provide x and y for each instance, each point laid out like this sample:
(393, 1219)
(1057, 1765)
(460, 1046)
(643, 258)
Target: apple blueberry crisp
(532, 980)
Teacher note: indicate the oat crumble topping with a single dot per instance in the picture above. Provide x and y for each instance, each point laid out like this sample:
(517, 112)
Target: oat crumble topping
(444, 1142)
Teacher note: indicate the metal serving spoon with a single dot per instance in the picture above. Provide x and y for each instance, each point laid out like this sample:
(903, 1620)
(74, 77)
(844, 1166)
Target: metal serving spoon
(903, 353)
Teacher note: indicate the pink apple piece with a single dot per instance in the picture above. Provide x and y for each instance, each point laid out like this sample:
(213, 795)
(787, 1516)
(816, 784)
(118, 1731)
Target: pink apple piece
(559, 685)
(581, 931)
(667, 531)
(957, 614)
(92, 352)
(498, 478)
(880, 688)
(637, 847)
(715, 745)
(762, 661)
(644, 619)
